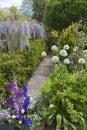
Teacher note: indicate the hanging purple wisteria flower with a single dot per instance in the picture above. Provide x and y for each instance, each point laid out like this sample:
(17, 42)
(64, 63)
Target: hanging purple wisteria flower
(37, 31)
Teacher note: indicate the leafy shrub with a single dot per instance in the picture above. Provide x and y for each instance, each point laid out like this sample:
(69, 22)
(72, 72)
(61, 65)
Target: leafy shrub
(53, 37)
(76, 41)
(64, 12)
(68, 37)
(20, 64)
(2, 82)
(73, 67)
(66, 95)
(81, 35)
(38, 8)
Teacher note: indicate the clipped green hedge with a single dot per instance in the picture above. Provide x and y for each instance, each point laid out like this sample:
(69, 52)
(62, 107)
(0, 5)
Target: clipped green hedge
(21, 63)
(60, 13)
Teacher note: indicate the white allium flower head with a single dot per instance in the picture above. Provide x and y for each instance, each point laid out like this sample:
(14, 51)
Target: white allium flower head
(66, 61)
(85, 51)
(20, 122)
(75, 49)
(55, 59)
(80, 21)
(43, 54)
(63, 53)
(22, 111)
(31, 99)
(66, 47)
(81, 61)
(54, 48)
(13, 116)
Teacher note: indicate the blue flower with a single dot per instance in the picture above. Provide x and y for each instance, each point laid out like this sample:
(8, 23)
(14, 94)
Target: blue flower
(27, 122)
(26, 102)
(25, 89)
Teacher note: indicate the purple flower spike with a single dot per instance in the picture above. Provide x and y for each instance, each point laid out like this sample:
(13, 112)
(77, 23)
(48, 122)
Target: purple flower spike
(16, 106)
(18, 94)
(71, 63)
(10, 87)
(25, 89)
(26, 102)
(27, 122)
(9, 100)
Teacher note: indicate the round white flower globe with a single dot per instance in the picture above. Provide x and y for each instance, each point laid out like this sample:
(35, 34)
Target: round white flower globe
(75, 49)
(20, 122)
(22, 111)
(54, 48)
(66, 61)
(31, 99)
(55, 59)
(66, 47)
(43, 54)
(85, 51)
(81, 61)
(63, 53)
(13, 116)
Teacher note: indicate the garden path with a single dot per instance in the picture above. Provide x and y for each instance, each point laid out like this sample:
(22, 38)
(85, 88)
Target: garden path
(40, 76)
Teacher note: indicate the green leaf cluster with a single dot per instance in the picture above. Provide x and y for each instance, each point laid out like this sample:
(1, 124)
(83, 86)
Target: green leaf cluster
(63, 12)
(20, 64)
(66, 96)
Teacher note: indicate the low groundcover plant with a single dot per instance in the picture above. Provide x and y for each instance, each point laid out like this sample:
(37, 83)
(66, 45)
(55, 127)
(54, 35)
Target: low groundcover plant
(18, 108)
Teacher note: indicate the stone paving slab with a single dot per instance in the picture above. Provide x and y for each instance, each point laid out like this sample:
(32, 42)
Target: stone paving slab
(39, 76)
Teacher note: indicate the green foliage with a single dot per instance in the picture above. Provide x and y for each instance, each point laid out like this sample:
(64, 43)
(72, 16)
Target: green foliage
(66, 96)
(27, 9)
(53, 37)
(76, 41)
(81, 35)
(21, 63)
(38, 8)
(2, 81)
(3, 14)
(73, 57)
(14, 12)
(68, 36)
(64, 12)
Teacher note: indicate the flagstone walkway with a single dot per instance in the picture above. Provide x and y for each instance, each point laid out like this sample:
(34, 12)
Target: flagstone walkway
(40, 76)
